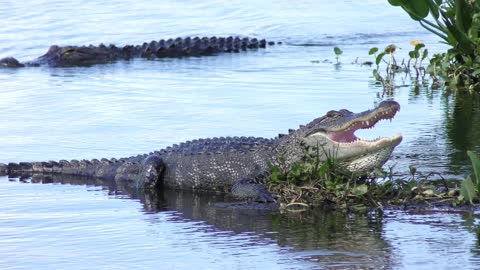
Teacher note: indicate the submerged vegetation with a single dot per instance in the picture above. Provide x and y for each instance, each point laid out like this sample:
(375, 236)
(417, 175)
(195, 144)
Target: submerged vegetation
(316, 183)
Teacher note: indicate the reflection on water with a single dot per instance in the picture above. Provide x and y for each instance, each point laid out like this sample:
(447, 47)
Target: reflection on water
(101, 227)
(463, 128)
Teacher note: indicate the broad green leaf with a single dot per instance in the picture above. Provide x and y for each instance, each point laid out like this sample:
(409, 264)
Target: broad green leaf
(424, 54)
(476, 167)
(467, 189)
(395, 3)
(475, 28)
(360, 190)
(476, 73)
(379, 58)
(420, 7)
(373, 51)
(419, 46)
(337, 51)
(417, 9)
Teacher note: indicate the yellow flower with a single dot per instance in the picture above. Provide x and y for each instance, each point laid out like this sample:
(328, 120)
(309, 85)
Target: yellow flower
(415, 42)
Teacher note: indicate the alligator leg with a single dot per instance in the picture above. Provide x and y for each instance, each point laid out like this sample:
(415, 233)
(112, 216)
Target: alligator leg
(145, 174)
(152, 172)
(244, 189)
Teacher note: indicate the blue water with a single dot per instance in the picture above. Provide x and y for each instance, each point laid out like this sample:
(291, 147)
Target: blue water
(133, 107)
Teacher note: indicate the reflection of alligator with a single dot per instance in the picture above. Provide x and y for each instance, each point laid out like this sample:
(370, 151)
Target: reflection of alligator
(298, 236)
(68, 56)
(220, 164)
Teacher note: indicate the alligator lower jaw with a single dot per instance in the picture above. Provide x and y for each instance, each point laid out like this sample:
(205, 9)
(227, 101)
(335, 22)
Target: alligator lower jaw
(357, 143)
(380, 142)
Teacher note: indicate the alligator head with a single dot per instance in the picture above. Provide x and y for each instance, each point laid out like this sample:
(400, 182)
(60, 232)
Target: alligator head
(333, 135)
(68, 56)
(10, 62)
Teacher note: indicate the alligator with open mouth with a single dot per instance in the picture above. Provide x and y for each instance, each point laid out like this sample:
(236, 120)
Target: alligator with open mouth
(70, 56)
(232, 164)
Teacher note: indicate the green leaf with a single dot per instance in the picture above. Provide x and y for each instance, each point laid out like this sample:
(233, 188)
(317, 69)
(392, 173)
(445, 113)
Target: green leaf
(379, 58)
(337, 51)
(424, 54)
(417, 9)
(360, 190)
(419, 46)
(395, 3)
(476, 167)
(373, 51)
(475, 73)
(467, 190)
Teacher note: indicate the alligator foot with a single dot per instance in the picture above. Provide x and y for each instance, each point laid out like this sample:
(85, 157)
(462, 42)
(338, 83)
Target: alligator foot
(144, 174)
(244, 189)
(151, 172)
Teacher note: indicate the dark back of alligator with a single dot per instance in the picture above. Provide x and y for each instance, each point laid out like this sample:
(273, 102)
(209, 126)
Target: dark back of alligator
(67, 56)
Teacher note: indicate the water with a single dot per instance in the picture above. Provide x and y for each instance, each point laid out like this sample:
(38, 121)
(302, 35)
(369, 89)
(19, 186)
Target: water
(127, 108)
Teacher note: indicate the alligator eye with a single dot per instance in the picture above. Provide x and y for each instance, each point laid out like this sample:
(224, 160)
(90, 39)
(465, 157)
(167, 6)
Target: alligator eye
(333, 114)
(69, 51)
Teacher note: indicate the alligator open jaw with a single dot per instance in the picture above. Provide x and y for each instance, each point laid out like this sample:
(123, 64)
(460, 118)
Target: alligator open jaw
(366, 120)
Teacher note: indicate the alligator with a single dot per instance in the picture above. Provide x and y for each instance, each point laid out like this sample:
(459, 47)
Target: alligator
(69, 56)
(235, 165)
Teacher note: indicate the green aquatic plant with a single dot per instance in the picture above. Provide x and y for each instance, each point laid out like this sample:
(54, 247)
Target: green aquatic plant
(337, 52)
(476, 168)
(391, 69)
(457, 23)
(470, 186)
(419, 52)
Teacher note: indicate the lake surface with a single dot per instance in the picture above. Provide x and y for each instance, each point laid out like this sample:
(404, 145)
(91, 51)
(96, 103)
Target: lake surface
(126, 108)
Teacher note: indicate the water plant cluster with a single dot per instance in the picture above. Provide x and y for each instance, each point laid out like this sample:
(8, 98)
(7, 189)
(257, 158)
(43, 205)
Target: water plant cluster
(314, 183)
(457, 23)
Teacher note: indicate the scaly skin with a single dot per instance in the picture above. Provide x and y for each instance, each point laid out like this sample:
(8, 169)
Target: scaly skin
(69, 56)
(230, 164)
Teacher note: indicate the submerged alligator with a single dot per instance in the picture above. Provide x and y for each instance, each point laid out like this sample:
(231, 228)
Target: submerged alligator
(68, 56)
(233, 164)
